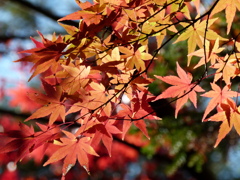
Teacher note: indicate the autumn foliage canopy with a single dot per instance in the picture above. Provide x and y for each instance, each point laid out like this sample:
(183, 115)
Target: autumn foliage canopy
(96, 77)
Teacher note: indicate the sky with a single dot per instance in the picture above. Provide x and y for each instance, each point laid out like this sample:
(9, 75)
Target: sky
(9, 69)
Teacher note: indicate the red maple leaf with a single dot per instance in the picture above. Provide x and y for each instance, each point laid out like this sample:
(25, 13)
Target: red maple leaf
(20, 99)
(138, 110)
(52, 102)
(182, 88)
(25, 140)
(104, 131)
(100, 127)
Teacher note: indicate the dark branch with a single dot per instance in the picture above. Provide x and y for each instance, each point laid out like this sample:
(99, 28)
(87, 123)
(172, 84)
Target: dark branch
(45, 12)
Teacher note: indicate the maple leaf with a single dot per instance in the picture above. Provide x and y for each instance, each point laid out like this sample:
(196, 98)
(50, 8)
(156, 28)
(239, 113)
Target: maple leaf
(92, 68)
(182, 88)
(19, 98)
(100, 96)
(113, 57)
(210, 53)
(22, 141)
(25, 140)
(96, 98)
(45, 56)
(138, 110)
(102, 128)
(195, 35)
(104, 132)
(87, 16)
(226, 69)
(127, 114)
(218, 96)
(73, 148)
(91, 14)
(52, 102)
(72, 30)
(83, 5)
(78, 78)
(230, 7)
(229, 114)
(109, 67)
(136, 57)
(166, 24)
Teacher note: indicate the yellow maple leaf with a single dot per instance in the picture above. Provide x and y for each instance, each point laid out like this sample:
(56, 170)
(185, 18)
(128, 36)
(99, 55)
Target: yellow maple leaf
(195, 35)
(230, 6)
(211, 53)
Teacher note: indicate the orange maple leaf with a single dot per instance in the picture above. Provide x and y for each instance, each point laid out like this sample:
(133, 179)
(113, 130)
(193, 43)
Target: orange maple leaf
(218, 96)
(100, 96)
(182, 88)
(229, 114)
(45, 56)
(77, 78)
(73, 148)
(90, 15)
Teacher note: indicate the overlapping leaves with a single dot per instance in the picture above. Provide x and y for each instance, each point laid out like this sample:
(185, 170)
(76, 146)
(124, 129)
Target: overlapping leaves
(88, 71)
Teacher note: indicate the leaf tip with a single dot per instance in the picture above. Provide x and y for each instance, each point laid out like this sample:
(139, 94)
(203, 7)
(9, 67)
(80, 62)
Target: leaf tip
(86, 168)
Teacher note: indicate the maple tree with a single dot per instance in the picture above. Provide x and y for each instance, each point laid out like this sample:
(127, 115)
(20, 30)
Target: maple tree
(87, 73)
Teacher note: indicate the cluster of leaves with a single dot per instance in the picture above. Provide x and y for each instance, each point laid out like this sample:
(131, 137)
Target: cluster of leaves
(91, 71)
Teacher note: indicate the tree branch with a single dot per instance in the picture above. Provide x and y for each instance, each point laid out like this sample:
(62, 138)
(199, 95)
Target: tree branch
(44, 12)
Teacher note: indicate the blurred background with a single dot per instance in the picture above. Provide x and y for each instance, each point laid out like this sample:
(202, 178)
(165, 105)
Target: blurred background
(179, 148)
